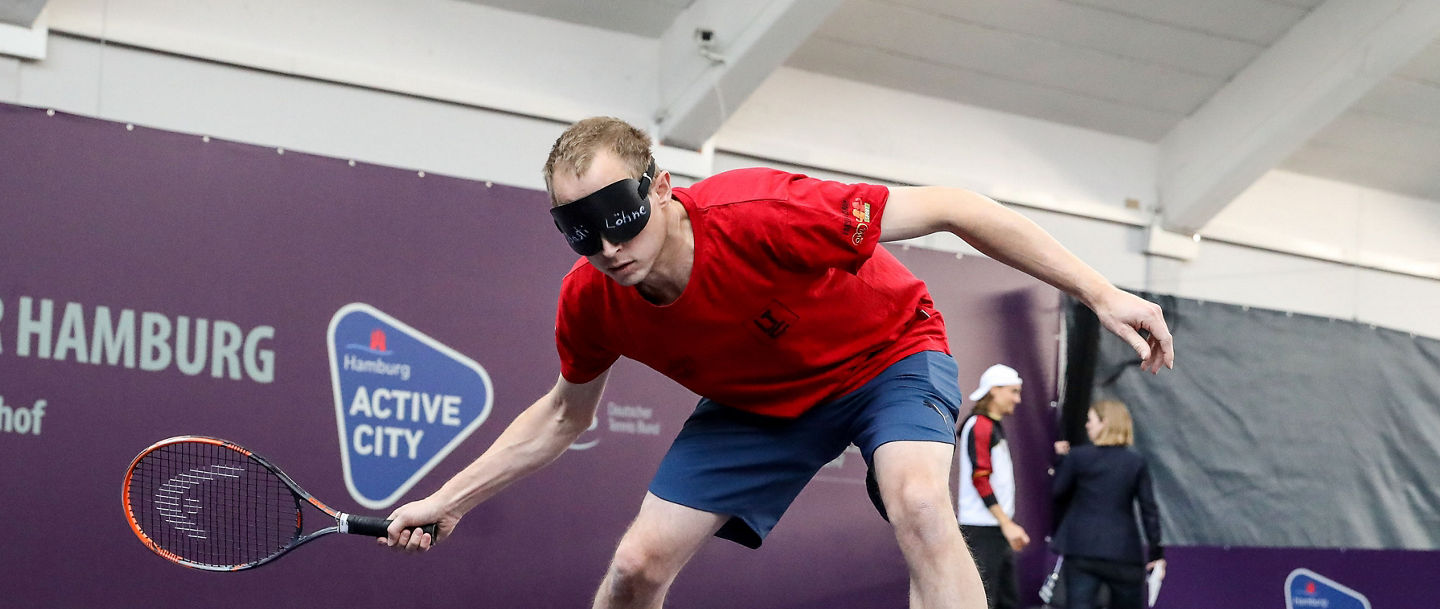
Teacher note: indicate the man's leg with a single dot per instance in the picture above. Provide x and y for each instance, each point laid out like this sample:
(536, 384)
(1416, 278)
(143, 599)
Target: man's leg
(914, 480)
(662, 539)
(1007, 588)
(989, 549)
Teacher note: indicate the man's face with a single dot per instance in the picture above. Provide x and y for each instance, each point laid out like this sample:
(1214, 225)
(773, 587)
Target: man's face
(630, 262)
(1004, 399)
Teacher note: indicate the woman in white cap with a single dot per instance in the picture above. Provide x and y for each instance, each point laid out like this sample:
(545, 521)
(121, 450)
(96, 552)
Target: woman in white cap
(986, 504)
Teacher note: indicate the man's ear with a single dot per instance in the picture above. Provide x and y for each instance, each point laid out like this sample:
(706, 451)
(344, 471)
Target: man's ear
(661, 185)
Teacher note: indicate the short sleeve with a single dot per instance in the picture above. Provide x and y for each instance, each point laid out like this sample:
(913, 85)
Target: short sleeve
(578, 335)
(829, 224)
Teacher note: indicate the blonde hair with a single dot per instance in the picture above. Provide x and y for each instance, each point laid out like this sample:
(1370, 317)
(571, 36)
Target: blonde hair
(575, 149)
(1118, 430)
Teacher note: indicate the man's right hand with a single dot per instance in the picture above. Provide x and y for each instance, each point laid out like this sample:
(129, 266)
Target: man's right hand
(405, 520)
(1015, 535)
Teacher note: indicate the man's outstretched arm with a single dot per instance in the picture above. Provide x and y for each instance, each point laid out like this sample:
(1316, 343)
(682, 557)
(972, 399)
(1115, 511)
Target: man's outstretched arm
(1011, 238)
(535, 438)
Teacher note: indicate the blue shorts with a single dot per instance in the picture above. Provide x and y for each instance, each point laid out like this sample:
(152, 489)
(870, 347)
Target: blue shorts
(751, 467)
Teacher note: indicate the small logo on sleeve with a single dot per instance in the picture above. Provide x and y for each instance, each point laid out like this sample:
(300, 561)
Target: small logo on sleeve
(860, 212)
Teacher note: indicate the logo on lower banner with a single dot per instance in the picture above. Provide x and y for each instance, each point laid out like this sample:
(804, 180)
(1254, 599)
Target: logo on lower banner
(1306, 588)
(403, 401)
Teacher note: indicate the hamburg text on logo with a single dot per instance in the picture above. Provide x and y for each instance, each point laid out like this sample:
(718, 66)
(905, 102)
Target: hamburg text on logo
(403, 401)
(1305, 589)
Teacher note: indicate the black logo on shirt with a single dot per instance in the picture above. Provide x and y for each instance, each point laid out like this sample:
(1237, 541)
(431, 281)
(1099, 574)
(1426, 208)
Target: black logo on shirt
(775, 320)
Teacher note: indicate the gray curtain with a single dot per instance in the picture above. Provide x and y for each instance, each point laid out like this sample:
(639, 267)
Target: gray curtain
(1281, 430)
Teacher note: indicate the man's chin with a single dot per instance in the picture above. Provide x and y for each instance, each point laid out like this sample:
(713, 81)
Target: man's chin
(626, 277)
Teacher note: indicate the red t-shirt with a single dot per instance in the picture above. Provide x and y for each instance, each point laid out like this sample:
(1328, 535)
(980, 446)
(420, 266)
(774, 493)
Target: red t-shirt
(790, 303)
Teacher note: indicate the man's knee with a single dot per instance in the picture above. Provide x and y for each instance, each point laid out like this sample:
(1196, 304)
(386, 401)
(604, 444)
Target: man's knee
(638, 570)
(919, 509)
(914, 480)
(917, 502)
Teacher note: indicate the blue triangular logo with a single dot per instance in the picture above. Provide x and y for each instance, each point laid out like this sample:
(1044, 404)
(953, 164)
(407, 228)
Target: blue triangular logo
(403, 401)
(1306, 589)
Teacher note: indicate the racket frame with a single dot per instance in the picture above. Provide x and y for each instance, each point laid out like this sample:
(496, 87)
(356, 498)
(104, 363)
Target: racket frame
(342, 521)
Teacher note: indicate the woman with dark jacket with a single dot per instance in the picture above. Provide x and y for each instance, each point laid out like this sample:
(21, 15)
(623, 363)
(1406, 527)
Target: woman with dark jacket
(1101, 482)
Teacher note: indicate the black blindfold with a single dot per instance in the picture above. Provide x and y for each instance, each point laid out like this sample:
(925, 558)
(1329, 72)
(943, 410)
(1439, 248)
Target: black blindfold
(616, 212)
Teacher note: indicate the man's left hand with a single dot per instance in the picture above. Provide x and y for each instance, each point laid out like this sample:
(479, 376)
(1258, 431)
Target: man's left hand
(1125, 315)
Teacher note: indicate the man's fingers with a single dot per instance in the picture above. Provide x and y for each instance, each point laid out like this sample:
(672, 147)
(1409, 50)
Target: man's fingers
(392, 532)
(1161, 343)
(414, 540)
(1161, 354)
(1167, 345)
(1136, 342)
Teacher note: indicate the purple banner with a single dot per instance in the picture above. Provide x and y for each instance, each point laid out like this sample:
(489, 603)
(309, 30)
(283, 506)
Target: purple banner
(156, 284)
(1261, 578)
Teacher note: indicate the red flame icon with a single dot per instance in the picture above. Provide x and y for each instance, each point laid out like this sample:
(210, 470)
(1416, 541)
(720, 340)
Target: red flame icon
(377, 340)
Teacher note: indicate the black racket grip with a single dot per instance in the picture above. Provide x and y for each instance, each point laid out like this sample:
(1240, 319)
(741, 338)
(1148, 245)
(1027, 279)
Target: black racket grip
(379, 527)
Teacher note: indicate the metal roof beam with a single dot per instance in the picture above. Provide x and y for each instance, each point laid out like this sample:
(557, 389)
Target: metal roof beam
(1327, 62)
(704, 77)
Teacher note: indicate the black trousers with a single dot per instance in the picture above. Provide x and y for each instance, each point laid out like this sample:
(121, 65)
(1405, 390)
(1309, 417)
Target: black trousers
(1084, 576)
(997, 565)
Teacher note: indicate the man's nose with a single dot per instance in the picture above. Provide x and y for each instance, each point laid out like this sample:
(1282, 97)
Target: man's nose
(607, 248)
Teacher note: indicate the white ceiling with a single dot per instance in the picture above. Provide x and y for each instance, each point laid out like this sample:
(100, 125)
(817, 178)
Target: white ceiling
(1135, 68)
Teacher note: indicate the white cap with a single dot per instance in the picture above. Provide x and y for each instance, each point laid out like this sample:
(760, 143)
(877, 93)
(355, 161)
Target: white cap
(998, 375)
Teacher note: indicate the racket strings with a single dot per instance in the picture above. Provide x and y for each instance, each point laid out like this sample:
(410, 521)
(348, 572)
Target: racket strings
(212, 505)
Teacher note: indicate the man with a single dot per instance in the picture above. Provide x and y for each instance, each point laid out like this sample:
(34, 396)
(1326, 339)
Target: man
(986, 503)
(765, 293)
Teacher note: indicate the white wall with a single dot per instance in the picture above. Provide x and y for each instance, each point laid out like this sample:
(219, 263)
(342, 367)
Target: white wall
(1072, 182)
(169, 92)
(828, 122)
(441, 49)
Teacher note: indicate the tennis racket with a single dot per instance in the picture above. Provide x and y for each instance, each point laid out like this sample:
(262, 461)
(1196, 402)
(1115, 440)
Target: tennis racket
(210, 504)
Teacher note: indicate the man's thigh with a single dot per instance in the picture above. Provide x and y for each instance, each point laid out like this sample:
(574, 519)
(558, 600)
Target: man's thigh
(916, 399)
(914, 467)
(908, 412)
(747, 466)
(669, 532)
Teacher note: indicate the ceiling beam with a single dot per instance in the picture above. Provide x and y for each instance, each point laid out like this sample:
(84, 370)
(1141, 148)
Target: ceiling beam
(704, 79)
(27, 40)
(20, 13)
(1290, 92)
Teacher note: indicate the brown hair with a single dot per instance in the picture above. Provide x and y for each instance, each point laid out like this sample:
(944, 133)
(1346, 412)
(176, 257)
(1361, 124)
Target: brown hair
(575, 149)
(1118, 430)
(982, 405)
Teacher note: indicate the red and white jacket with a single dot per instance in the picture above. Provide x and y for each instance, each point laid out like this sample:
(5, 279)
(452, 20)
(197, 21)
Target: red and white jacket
(987, 476)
